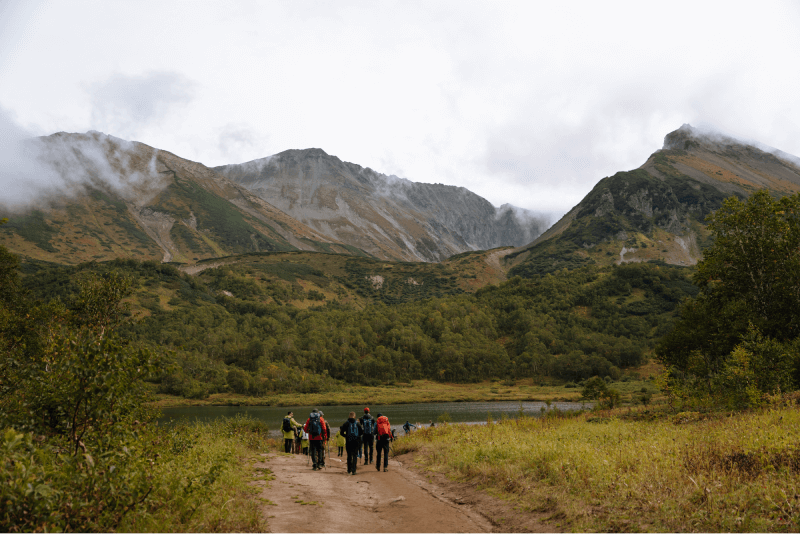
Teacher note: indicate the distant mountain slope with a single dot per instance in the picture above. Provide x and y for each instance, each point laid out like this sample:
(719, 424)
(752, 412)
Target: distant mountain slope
(126, 199)
(389, 217)
(657, 212)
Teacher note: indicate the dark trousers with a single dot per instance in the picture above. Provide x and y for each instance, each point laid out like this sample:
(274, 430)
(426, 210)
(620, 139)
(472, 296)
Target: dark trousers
(287, 445)
(382, 444)
(317, 452)
(369, 440)
(352, 456)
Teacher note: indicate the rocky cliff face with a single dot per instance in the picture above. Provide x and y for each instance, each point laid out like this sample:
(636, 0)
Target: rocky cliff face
(657, 211)
(114, 198)
(387, 216)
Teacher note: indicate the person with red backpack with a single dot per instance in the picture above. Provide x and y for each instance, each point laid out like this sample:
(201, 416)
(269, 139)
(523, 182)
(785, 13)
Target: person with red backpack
(352, 431)
(370, 428)
(318, 435)
(382, 444)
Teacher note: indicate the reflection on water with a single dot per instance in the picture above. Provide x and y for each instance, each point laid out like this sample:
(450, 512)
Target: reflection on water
(398, 414)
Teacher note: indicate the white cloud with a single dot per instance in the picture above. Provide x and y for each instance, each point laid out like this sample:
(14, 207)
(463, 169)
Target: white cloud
(126, 105)
(527, 103)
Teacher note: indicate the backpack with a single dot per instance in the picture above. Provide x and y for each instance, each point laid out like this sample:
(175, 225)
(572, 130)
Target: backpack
(314, 426)
(384, 427)
(369, 425)
(352, 432)
(287, 425)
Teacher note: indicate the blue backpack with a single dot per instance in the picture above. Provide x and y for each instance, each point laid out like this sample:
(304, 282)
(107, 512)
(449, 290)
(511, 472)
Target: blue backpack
(314, 425)
(352, 433)
(369, 425)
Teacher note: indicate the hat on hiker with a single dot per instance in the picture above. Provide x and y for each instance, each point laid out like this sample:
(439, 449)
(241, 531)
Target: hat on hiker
(314, 410)
(366, 410)
(379, 414)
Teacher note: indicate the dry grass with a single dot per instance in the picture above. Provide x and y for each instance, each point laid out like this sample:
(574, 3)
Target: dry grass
(600, 472)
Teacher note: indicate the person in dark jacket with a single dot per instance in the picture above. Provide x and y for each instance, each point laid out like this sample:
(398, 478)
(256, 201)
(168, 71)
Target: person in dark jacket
(317, 441)
(370, 428)
(352, 432)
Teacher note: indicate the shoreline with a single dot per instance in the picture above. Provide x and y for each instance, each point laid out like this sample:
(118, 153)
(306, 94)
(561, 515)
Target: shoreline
(420, 391)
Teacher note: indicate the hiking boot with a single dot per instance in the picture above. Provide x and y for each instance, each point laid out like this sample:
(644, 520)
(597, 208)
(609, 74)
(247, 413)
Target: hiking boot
(385, 469)
(378, 468)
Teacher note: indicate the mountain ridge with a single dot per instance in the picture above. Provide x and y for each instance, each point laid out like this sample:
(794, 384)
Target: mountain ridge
(657, 211)
(428, 222)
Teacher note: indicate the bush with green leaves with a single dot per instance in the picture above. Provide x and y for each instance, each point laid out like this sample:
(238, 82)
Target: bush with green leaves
(736, 341)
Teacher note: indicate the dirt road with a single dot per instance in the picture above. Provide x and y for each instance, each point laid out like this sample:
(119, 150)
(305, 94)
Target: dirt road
(399, 500)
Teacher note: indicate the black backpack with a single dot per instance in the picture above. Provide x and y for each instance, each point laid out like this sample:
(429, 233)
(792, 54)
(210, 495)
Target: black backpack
(369, 425)
(287, 425)
(352, 433)
(314, 425)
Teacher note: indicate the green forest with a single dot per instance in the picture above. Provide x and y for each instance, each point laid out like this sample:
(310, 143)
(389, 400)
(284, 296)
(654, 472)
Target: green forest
(567, 326)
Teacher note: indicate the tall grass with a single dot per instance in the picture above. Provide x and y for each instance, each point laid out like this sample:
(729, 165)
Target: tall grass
(730, 473)
(203, 473)
(192, 477)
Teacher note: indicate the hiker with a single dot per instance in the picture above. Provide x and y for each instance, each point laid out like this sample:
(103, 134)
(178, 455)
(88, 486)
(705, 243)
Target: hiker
(304, 442)
(352, 431)
(432, 423)
(317, 432)
(340, 442)
(298, 438)
(328, 436)
(368, 424)
(289, 424)
(382, 444)
(407, 427)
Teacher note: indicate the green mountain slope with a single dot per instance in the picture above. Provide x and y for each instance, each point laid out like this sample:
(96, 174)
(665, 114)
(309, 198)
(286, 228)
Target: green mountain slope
(121, 199)
(657, 212)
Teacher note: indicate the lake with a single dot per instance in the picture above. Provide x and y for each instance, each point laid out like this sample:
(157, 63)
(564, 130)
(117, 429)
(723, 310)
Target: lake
(398, 414)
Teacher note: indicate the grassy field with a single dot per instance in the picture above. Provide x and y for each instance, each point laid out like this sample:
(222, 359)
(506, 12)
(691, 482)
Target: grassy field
(413, 392)
(633, 470)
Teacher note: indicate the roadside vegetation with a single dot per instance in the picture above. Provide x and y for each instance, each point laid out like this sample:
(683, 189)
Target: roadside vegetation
(79, 447)
(640, 470)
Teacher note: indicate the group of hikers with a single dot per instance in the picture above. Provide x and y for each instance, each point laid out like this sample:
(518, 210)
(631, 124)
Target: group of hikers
(366, 432)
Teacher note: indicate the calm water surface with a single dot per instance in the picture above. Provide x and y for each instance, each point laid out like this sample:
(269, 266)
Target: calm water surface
(398, 414)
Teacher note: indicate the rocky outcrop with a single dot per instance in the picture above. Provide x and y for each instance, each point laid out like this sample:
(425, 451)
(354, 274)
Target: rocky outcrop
(387, 216)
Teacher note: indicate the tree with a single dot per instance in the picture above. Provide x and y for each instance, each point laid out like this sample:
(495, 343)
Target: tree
(749, 282)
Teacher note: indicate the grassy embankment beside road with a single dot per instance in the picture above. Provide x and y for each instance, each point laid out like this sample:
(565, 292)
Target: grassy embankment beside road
(416, 391)
(192, 477)
(622, 471)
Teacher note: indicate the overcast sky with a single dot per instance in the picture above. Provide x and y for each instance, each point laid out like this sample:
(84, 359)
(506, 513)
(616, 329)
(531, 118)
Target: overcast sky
(528, 103)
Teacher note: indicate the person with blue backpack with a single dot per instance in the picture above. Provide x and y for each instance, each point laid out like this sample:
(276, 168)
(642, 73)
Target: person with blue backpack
(318, 435)
(370, 428)
(352, 432)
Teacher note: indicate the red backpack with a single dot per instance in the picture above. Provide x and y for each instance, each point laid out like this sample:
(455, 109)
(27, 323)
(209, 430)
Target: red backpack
(383, 426)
